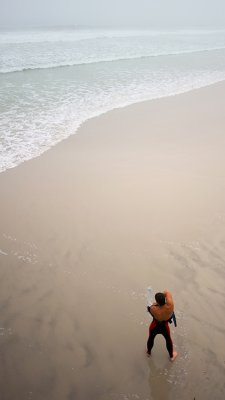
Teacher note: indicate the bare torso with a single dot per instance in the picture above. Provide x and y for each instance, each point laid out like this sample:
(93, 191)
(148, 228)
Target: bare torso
(163, 313)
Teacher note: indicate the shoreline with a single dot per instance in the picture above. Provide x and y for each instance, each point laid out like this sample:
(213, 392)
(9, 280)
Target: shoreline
(98, 115)
(135, 199)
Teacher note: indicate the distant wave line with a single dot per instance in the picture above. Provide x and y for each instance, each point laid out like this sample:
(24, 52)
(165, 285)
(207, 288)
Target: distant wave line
(72, 64)
(91, 35)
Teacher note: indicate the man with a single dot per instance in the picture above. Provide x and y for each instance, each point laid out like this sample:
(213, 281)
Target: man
(162, 312)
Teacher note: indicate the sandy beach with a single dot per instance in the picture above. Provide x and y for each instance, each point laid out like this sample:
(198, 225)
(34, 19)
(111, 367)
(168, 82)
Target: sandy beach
(135, 198)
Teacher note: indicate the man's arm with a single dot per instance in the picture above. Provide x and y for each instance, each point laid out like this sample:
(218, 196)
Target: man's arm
(169, 298)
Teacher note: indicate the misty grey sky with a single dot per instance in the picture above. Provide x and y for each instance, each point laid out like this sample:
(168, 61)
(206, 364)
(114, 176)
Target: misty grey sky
(114, 13)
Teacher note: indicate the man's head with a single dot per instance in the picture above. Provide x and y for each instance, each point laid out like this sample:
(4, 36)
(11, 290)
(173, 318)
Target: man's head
(160, 298)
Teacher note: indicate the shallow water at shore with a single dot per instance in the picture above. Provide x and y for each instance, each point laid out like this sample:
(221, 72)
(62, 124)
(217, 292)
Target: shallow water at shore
(53, 81)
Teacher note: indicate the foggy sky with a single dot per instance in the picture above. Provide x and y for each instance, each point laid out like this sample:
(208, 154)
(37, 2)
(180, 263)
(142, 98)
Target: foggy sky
(113, 13)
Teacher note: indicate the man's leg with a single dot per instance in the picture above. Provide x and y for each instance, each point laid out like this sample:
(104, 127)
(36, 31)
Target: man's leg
(152, 333)
(169, 343)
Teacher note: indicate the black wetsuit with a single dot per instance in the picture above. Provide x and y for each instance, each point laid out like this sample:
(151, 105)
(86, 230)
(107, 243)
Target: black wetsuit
(159, 327)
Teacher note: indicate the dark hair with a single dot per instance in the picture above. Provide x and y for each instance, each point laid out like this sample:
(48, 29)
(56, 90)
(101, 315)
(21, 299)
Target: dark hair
(160, 298)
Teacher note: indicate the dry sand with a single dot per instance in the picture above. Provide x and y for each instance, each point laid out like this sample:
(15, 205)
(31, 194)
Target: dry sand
(136, 198)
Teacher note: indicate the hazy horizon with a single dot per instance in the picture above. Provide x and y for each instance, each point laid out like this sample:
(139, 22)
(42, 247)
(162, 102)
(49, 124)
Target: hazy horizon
(130, 14)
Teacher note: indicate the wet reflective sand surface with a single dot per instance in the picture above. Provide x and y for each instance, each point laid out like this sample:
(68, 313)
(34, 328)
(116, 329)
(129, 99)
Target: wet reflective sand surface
(137, 198)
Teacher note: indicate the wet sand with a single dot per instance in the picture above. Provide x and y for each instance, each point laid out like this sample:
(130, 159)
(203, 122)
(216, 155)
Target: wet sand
(136, 198)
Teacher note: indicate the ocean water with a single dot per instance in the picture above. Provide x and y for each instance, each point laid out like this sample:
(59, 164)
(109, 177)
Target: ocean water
(51, 81)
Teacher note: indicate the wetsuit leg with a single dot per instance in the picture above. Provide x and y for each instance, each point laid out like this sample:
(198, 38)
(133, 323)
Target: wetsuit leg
(153, 331)
(166, 333)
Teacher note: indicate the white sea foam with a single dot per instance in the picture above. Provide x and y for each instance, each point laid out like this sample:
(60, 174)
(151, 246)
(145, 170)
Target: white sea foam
(69, 61)
(53, 48)
(39, 107)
